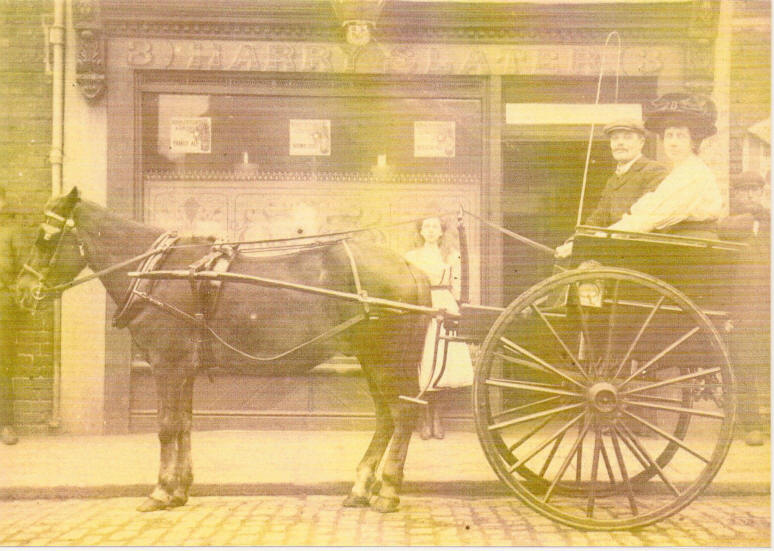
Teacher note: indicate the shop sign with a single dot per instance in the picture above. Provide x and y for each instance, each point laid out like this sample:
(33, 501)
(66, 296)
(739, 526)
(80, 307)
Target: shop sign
(434, 138)
(416, 59)
(190, 135)
(310, 137)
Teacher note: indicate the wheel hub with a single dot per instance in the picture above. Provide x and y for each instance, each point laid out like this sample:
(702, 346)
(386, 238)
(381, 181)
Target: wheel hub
(603, 397)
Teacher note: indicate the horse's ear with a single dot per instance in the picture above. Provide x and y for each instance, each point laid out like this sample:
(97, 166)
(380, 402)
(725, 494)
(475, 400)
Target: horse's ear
(73, 197)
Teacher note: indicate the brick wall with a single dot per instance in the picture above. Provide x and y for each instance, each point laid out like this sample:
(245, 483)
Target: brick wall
(25, 141)
(750, 72)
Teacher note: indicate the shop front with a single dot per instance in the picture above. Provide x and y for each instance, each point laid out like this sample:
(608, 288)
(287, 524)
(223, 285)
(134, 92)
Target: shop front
(255, 121)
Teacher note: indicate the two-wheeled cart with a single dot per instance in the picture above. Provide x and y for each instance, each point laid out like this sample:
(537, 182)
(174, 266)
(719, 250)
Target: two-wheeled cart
(603, 395)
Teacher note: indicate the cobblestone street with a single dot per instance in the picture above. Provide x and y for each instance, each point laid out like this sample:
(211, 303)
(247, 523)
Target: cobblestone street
(321, 520)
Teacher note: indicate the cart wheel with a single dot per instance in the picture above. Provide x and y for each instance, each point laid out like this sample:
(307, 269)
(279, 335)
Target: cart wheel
(604, 399)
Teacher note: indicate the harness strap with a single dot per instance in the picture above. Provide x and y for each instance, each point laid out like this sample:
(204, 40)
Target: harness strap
(330, 333)
(157, 253)
(356, 276)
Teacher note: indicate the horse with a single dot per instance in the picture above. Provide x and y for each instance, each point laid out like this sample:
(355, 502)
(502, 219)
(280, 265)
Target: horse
(259, 321)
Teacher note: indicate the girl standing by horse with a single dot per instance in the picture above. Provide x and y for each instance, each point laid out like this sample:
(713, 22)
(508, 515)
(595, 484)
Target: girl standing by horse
(445, 364)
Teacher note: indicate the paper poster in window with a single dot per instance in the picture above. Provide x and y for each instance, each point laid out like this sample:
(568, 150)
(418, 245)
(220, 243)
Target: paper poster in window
(434, 138)
(310, 137)
(190, 135)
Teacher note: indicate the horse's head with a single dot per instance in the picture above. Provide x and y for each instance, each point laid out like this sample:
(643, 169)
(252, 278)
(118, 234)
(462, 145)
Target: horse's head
(57, 255)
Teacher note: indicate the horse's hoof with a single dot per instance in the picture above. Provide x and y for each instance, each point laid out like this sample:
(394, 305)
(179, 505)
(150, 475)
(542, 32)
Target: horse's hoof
(177, 501)
(356, 501)
(151, 504)
(385, 504)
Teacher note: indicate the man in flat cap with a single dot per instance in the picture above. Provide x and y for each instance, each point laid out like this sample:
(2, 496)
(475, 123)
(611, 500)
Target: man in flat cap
(634, 176)
(751, 302)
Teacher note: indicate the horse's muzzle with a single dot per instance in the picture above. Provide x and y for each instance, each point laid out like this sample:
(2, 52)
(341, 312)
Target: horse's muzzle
(29, 298)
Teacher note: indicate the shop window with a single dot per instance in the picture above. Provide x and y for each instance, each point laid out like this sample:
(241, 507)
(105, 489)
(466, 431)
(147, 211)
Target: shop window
(202, 133)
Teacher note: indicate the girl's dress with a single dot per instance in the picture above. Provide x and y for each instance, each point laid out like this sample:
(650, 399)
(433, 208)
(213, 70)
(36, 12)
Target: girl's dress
(447, 365)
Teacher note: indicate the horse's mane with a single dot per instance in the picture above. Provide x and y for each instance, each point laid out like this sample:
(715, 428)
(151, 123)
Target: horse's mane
(109, 224)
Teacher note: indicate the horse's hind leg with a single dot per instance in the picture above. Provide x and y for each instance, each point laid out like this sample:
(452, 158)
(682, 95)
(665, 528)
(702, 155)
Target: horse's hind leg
(405, 416)
(184, 464)
(360, 494)
(167, 390)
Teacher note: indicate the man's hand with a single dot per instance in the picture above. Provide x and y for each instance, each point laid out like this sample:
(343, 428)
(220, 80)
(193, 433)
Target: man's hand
(564, 250)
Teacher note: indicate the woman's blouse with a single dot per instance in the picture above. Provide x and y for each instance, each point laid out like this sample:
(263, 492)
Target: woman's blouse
(688, 193)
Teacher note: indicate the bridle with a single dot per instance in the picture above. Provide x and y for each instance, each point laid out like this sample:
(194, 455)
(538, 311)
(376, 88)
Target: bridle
(55, 227)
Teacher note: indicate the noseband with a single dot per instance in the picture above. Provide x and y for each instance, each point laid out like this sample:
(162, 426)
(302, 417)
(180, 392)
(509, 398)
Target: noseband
(54, 227)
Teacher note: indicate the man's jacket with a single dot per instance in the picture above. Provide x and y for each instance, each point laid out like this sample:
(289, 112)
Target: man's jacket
(621, 192)
(11, 250)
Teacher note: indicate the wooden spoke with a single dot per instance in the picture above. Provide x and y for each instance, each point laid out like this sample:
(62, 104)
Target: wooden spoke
(637, 338)
(666, 435)
(534, 387)
(559, 340)
(509, 411)
(521, 362)
(558, 434)
(667, 382)
(635, 452)
(661, 354)
(608, 466)
(578, 464)
(649, 459)
(551, 455)
(518, 349)
(594, 468)
(611, 327)
(530, 434)
(690, 411)
(654, 398)
(505, 424)
(585, 327)
(624, 473)
(560, 473)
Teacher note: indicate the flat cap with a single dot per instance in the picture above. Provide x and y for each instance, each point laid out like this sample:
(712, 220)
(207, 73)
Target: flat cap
(632, 125)
(747, 179)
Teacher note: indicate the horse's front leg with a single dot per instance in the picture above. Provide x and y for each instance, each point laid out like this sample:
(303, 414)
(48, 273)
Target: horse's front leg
(167, 390)
(184, 463)
(405, 416)
(360, 494)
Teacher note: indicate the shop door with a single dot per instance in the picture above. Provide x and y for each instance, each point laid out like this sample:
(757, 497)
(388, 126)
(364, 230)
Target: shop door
(541, 192)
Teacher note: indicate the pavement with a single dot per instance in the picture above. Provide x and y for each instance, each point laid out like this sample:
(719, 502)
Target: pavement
(284, 463)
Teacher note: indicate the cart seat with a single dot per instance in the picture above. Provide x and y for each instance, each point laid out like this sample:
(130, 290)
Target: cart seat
(703, 269)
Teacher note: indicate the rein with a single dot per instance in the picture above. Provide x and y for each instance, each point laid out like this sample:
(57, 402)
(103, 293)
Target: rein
(514, 235)
(57, 289)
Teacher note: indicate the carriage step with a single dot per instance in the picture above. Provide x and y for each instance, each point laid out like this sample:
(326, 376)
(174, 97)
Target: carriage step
(413, 400)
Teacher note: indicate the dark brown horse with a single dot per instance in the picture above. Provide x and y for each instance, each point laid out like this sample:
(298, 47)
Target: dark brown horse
(258, 320)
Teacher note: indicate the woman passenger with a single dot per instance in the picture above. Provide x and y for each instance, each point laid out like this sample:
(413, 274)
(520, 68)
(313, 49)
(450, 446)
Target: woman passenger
(688, 201)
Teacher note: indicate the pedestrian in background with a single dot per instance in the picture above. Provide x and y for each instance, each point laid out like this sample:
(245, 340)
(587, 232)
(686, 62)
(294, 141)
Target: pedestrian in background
(10, 250)
(750, 221)
(445, 364)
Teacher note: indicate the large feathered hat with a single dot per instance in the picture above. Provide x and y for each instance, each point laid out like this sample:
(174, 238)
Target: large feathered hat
(697, 112)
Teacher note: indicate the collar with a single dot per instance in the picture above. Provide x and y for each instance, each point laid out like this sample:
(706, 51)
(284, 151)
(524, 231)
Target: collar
(620, 170)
